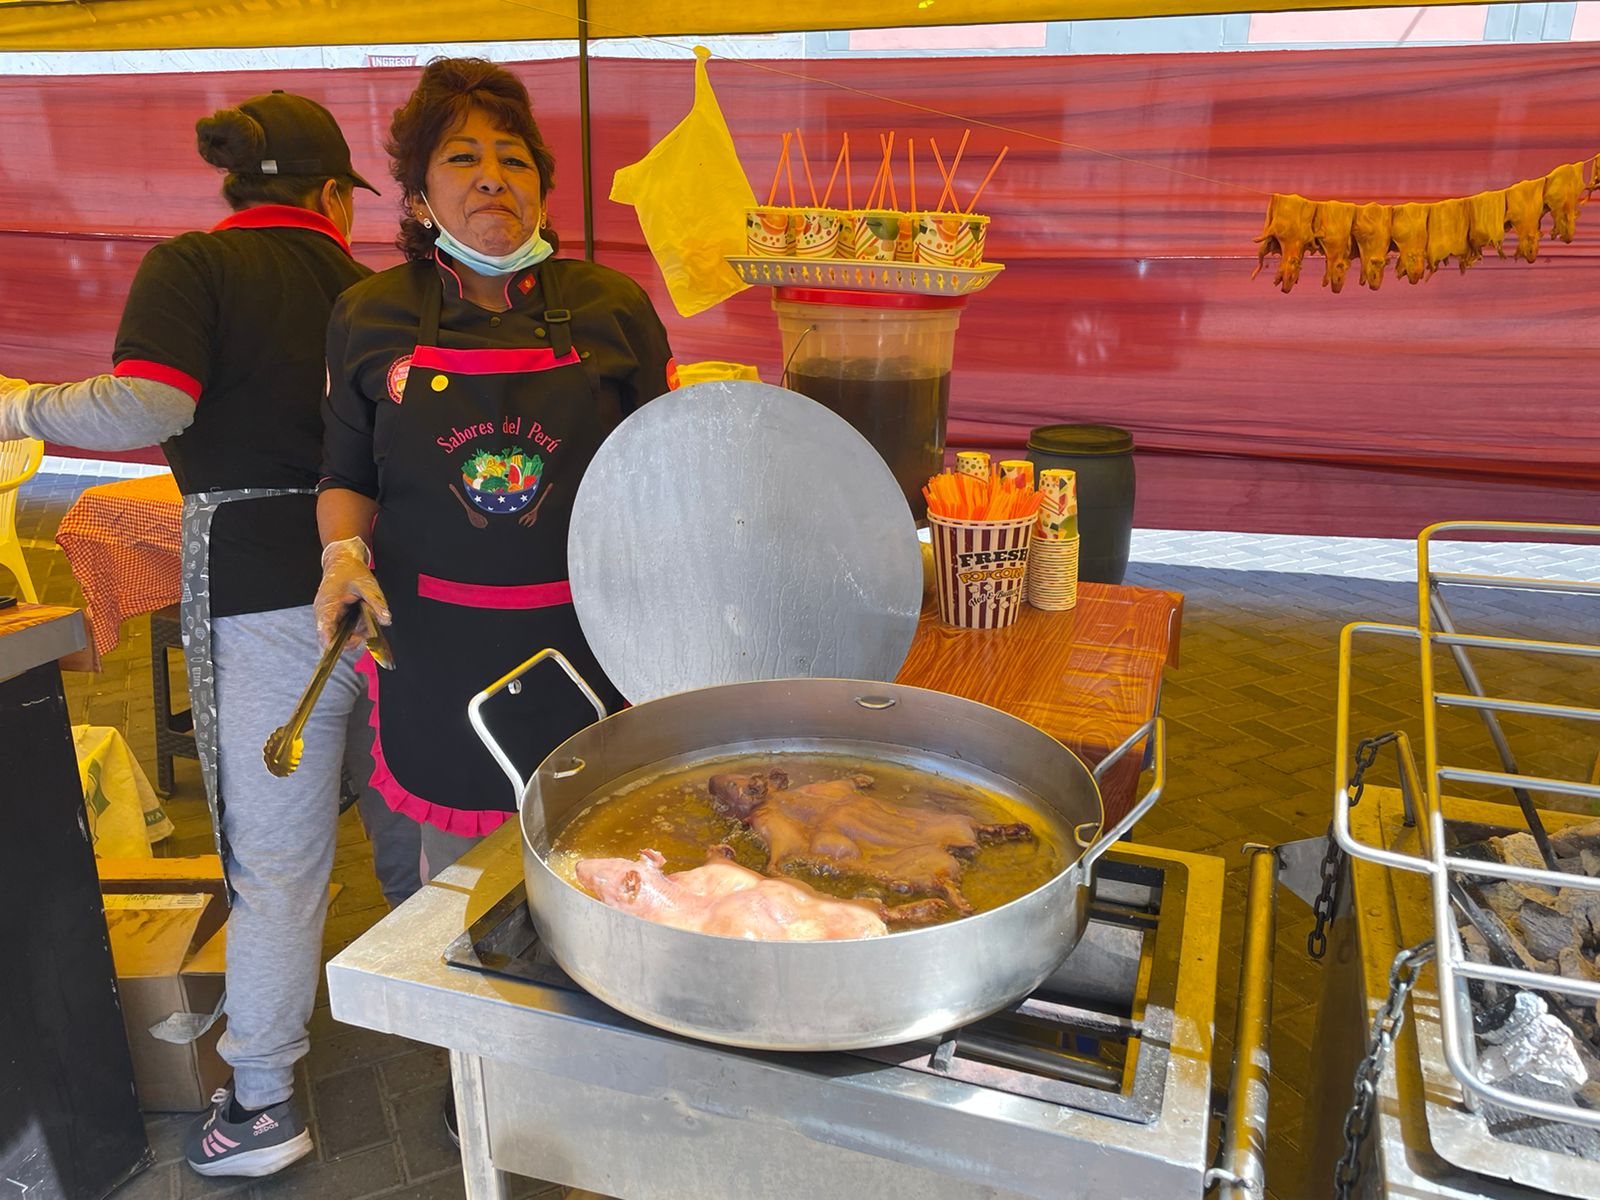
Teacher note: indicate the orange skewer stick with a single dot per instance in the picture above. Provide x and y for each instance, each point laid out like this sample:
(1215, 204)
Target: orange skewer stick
(828, 194)
(955, 165)
(998, 159)
(849, 193)
(777, 172)
(911, 169)
(805, 162)
(877, 182)
(943, 174)
(888, 171)
(894, 200)
(788, 169)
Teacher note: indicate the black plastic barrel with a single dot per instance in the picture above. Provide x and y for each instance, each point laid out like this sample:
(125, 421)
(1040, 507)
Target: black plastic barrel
(1102, 456)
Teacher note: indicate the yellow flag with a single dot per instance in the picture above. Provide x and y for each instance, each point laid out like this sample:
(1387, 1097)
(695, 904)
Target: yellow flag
(690, 194)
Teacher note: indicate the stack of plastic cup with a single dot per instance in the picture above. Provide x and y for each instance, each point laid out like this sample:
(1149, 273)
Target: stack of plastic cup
(1053, 556)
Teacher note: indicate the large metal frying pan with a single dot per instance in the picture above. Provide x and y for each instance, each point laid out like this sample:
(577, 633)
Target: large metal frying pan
(814, 995)
(724, 535)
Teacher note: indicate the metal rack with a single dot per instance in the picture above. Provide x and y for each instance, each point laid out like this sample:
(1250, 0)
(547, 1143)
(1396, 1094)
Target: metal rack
(1436, 628)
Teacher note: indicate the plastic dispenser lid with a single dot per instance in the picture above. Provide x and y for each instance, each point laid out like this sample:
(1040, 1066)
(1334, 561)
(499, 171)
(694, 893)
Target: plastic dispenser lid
(733, 531)
(1080, 439)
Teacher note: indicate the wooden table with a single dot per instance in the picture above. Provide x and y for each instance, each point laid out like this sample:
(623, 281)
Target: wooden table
(1088, 677)
(123, 542)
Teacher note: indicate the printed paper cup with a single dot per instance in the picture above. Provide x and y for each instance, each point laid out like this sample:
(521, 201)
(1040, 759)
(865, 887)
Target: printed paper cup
(877, 235)
(949, 239)
(972, 462)
(1017, 471)
(818, 232)
(980, 570)
(770, 232)
(1053, 574)
(1058, 505)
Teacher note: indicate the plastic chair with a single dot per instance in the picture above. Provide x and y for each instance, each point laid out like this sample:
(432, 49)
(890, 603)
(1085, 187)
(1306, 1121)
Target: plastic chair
(18, 461)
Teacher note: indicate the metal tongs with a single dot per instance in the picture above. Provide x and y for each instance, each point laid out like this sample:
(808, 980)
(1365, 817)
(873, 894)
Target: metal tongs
(283, 748)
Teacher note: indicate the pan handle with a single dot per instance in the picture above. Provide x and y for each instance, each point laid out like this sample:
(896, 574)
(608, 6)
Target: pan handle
(1157, 728)
(509, 680)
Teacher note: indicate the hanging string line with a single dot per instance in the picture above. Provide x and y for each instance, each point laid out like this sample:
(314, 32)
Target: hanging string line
(897, 102)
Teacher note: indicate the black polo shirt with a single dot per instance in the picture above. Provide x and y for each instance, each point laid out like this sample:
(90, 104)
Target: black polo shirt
(374, 330)
(237, 318)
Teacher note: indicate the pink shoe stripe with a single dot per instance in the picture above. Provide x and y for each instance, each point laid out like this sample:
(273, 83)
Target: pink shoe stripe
(223, 1142)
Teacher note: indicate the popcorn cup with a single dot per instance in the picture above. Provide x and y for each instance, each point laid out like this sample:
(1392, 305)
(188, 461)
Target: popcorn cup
(879, 235)
(1053, 574)
(949, 239)
(818, 233)
(980, 570)
(972, 462)
(770, 232)
(1058, 505)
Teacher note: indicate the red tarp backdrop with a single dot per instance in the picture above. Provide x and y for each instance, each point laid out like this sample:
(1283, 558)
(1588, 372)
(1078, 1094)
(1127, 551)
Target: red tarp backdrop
(1127, 296)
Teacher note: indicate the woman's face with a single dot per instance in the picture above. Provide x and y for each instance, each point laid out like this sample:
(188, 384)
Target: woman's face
(482, 185)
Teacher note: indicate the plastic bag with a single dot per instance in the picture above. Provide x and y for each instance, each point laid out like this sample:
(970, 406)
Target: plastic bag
(691, 194)
(710, 371)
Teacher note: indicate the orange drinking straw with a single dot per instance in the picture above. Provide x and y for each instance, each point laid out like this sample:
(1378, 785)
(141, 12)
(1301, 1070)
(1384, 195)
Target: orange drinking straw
(943, 174)
(827, 195)
(788, 169)
(955, 165)
(987, 177)
(806, 163)
(777, 172)
(849, 194)
(911, 169)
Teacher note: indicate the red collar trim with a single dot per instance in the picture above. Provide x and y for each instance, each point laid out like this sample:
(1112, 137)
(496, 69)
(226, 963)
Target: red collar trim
(525, 280)
(282, 216)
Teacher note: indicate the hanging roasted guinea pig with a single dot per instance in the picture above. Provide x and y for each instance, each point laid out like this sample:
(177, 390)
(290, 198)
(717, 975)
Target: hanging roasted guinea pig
(1410, 236)
(1334, 229)
(1288, 234)
(1563, 193)
(1524, 211)
(1448, 222)
(1373, 226)
(1486, 225)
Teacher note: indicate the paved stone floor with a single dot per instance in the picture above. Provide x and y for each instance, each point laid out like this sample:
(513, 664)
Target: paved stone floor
(1250, 712)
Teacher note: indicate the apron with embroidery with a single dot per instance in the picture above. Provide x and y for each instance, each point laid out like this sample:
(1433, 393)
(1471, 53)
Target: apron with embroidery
(470, 547)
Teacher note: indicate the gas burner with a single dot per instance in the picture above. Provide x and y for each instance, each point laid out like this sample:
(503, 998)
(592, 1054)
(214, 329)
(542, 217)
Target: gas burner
(1083, 1040)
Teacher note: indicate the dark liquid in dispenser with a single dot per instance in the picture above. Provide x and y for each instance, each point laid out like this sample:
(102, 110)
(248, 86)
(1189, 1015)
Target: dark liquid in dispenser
(903, 418)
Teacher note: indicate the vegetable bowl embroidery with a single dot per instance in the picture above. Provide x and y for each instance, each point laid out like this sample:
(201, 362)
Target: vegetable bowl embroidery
(503, 482)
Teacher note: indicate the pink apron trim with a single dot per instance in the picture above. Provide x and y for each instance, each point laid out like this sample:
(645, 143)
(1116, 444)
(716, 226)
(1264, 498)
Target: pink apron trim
(489, 595)
(459, 821)
(490, 362)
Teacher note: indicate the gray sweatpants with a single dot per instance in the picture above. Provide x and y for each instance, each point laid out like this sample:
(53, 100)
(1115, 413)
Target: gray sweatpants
(280, 834)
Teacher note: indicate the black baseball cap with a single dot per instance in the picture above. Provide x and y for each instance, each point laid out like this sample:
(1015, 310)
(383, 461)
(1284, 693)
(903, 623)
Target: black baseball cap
(302, 138)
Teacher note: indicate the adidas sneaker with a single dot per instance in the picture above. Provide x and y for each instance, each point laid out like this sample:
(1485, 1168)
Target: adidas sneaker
(259, 1145)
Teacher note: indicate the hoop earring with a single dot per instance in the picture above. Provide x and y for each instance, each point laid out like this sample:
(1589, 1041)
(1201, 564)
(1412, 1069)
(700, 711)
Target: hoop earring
(426, 223)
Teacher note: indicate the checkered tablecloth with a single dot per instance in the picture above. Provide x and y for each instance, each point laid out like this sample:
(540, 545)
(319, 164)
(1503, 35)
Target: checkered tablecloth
(123, 542)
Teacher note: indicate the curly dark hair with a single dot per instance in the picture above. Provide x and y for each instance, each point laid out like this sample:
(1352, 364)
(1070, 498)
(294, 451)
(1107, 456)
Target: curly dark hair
(448, 90)
(233, 140)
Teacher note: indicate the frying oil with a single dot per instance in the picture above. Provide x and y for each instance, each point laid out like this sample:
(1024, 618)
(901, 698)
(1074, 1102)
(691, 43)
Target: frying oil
(673, 815)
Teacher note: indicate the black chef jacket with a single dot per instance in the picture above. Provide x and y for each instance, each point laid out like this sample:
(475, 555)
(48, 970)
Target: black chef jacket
(237, 318)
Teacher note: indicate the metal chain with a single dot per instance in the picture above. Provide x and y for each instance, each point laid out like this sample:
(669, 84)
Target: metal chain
(1333, 859)
(1386, 1025)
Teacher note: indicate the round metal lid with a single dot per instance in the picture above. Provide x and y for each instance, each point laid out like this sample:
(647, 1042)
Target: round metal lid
(734, 531)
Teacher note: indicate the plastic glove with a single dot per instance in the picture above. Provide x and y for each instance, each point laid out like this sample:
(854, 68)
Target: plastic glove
(347, 579)
(12, 393)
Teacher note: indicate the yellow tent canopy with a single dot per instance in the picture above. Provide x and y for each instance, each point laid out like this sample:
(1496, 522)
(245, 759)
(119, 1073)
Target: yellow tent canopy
(42, 25)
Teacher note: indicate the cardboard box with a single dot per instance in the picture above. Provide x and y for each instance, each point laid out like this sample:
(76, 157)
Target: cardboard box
(166, 920)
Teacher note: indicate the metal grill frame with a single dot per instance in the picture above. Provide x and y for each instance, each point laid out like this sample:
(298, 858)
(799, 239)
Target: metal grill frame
(1422, 792)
